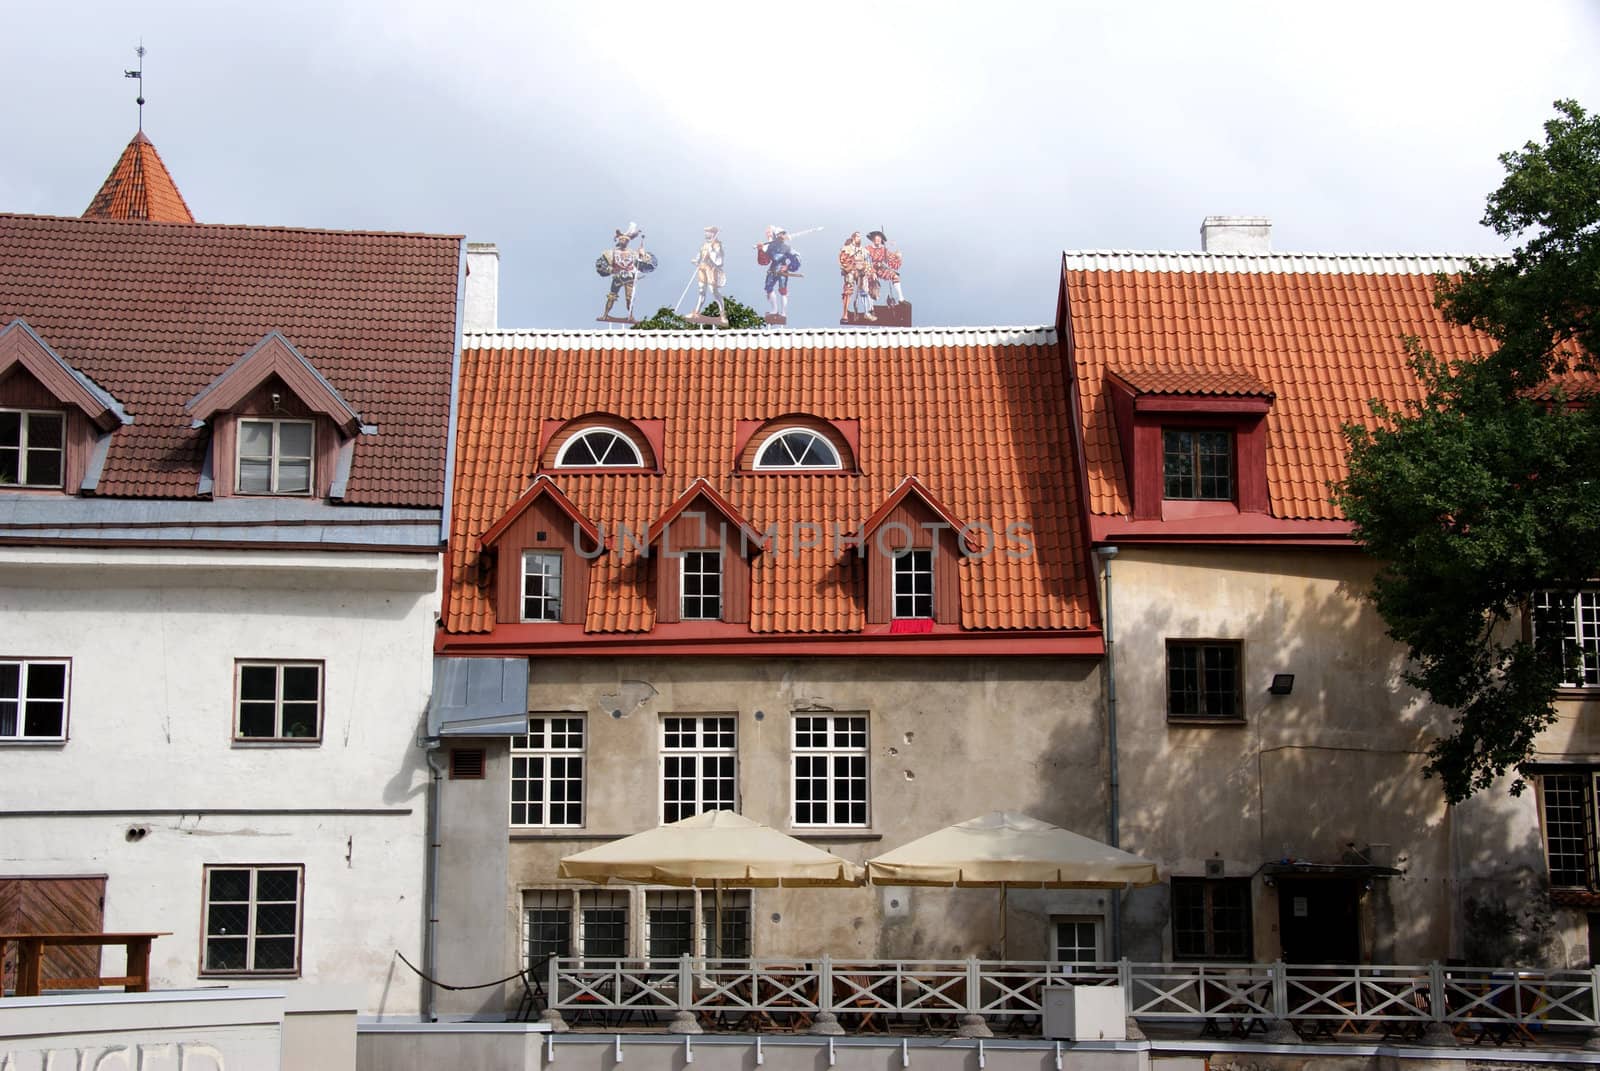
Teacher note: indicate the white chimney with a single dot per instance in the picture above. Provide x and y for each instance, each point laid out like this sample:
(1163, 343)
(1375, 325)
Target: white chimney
(480, 307)
(1234, 234)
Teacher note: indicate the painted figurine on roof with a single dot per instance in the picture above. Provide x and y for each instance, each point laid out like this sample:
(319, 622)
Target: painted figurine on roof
(855, 266)
(623, 266)
(885, 267)
(883, 279)
(782, 264)
(710, 277)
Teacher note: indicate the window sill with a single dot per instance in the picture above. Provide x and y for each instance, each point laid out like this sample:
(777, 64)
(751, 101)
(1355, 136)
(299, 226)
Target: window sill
(836, 835)
(1194, 723)
(560, 833)
(248, 974)
(1579, 692)
(19, 742)
(1574, 897)
(250, 744)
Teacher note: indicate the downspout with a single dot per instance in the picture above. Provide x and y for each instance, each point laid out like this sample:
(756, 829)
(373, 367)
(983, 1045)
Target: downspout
(430, 939)
(1113, 812)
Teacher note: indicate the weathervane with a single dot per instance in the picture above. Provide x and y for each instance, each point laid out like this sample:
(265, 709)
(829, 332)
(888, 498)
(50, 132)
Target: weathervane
(139, 74)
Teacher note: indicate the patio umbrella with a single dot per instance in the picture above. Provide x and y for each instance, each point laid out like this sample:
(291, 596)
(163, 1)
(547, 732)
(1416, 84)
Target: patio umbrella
(1007, 850)
(713, 850)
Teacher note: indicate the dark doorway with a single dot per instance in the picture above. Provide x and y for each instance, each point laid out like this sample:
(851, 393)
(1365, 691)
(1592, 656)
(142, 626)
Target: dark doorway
(1318, 921)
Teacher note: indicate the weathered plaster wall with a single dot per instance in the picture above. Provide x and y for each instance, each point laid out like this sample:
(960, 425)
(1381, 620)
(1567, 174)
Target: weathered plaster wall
(1333, 766)
(950, 739)
(153, 637)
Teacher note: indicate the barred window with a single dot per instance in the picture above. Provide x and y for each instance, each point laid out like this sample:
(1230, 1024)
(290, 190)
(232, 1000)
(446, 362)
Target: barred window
(699, 765)
(830, 769)
(547, 925)
(735, 940)
(603, 924)
(1203, 679)
(547, 771)
(1568, 800)
(669, 926)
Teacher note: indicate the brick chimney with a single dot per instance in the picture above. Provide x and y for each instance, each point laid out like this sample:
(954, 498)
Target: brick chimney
(480, 306)
(1235, 234)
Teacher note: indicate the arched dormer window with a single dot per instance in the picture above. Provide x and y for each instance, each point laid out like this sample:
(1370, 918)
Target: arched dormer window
(599, 448)
(796, 448)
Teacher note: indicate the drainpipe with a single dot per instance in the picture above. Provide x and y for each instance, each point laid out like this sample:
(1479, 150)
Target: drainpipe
(1113, 815)
(431, 935)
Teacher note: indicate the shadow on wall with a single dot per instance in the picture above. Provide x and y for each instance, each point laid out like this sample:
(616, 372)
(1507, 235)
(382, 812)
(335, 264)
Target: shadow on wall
(1331, 773)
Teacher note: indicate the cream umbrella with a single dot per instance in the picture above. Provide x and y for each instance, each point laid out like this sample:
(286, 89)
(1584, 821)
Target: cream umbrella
(1004, 850)
(713, 850)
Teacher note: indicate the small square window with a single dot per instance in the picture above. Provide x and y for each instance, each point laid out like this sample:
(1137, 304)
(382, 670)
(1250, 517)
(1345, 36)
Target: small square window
(33, 699)
(1197, 463)
(32, 447)
(275, 457)
(1203, 680)
(541, 585)
(252, 920)
(278, 701)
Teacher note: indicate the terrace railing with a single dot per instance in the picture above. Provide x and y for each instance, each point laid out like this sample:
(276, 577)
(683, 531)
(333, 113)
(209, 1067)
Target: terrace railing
(825, 995)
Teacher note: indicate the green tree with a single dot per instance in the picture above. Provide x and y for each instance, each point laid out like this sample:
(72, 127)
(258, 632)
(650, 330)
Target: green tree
(1488, 490)
(739, 315)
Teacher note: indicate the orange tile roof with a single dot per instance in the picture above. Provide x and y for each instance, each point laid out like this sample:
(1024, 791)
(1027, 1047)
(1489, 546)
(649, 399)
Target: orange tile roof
(980, 416)
(139, 187)
(1325, 335)
(1188, 381)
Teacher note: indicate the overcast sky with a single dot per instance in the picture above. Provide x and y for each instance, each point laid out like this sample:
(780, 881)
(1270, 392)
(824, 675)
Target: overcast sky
(984, 138)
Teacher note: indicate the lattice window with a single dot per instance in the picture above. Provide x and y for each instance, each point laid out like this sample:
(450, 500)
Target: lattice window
(699, 765)
(913, 584)
(701, 578)
(547, 768)
(1197, 464)
(1203, 679)
(831, 764)
(252, 919)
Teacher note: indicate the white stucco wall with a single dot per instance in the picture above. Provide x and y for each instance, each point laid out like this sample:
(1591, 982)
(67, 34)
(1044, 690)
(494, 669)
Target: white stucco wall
(153, 637)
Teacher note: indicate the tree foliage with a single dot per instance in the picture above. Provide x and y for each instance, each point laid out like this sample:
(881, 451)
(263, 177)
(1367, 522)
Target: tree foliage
(1488, 490)
(739, 315)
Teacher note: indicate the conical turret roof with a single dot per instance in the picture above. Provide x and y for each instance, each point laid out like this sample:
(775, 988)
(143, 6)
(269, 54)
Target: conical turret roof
(139, 187)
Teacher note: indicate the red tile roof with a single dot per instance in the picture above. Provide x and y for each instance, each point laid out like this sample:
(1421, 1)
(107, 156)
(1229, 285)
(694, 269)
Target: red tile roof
(1323, 334)
(1189, 381)
(154, 312)
(980, 416)
(139, 187)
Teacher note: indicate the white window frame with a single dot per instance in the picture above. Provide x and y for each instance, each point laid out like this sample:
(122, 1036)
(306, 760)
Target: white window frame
(275, 456)
(793, 466)
(25, 446)
(697, 558)
(571, 758)
(252, 905)
(697, 730)
(278, 700)
(1058, 921)
(903, 570)
(584, 435)
(830, 754)
(18, 703)
(545, 600)
(1581, 629)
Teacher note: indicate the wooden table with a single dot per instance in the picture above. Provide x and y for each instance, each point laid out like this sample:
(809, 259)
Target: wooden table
(30, 956)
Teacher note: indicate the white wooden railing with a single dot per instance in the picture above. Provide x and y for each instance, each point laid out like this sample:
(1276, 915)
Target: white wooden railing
(866, 994)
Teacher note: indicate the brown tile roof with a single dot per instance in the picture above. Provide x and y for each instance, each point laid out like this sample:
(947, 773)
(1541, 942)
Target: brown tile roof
(980, 416)
(139, 187)
(1323, 334)
(154, 312)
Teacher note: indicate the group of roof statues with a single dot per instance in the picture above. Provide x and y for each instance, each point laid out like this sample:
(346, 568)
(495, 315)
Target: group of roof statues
(869, 267)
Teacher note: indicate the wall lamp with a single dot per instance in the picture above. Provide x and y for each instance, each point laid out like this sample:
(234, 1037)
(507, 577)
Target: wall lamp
(1282, 684)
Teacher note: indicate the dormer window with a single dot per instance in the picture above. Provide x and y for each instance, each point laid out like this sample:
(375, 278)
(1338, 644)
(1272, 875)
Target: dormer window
(541, 585)
(797, 448)
(599, 448)
(1197, 464)
(275, 457)
(913, 585)
(32, 447)
(701, 585)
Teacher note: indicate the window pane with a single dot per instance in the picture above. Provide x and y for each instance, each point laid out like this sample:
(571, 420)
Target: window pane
(294, 477)
(277, 885)
(258, 682)
(274, 954)
(229, 885)
(258, 719)
(255, 439)
(300, 719)
(44, 718)
(294, 440)
(47, 680)
(255, 477)
(44, 468)
(8, 717)
(275, 918)
(225, 954)
(10, 430)
(301, 682)
(228, 919)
